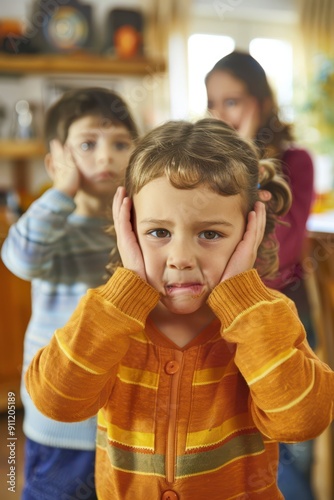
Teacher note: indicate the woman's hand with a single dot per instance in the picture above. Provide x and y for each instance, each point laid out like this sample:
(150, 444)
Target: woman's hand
(127, 242)
(244, 256)
(62, 169)
(250, 119)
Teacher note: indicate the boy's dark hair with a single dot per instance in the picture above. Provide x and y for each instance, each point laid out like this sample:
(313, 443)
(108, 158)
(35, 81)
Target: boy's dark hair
(93, 101)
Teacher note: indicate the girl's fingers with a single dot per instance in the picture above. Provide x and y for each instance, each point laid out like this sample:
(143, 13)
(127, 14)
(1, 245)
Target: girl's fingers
(117, 203)
(115, 208)
(127, 243)
(244, 255)
(122, 218)
(121, 209)
(125, 214)
(256, 226)
(264, 195)
(260, 211)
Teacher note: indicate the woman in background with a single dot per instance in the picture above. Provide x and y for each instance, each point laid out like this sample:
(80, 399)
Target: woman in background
(239, 94)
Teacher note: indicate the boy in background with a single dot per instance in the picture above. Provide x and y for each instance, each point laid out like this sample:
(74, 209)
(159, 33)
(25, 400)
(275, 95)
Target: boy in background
(61, 246)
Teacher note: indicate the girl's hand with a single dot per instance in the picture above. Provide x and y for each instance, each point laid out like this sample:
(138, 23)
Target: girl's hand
(62, 169)
(244, 256)
(127, 243)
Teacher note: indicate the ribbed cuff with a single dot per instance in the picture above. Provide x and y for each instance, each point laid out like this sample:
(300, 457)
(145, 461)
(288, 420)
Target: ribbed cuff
(235, 295)
(130, 294)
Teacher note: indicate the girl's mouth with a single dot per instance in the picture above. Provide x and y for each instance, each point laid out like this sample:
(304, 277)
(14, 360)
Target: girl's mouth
(193, 289)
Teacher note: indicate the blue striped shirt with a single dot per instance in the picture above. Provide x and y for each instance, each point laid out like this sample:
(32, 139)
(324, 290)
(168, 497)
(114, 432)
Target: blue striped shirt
(62, 254)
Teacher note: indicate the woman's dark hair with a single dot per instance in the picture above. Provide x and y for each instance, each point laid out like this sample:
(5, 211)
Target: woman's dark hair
(93, 101)
(273, 132)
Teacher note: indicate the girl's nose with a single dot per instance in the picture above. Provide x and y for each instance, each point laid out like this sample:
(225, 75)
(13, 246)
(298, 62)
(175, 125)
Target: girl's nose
(181, 256)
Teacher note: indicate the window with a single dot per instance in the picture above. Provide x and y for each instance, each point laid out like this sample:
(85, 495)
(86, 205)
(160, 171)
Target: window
(275, 56)
(203, 52)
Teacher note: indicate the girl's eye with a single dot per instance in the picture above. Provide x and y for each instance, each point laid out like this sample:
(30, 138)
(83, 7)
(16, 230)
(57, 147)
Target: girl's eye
(87, 146)
(209, 235)
(160, 233)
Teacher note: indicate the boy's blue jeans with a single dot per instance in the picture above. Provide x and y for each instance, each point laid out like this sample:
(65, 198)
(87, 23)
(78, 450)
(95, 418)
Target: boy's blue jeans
(58, 473)
(294, 471)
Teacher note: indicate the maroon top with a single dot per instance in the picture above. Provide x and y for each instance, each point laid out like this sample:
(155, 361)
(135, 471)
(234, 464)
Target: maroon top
(297, 165)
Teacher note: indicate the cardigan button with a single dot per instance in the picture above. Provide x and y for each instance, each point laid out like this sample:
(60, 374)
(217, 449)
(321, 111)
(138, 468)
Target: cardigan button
(169, 495)
(172, 367)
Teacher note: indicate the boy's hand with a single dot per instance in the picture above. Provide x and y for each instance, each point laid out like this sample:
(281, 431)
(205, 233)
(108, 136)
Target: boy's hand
(127, 243)
(62, 168)
(244, 256)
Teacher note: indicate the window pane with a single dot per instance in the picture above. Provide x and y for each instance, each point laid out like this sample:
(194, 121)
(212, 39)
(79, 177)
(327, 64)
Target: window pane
(276, 58)
(203, 52)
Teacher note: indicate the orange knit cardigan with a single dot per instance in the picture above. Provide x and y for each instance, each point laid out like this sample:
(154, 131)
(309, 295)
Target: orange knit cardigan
(199, 422)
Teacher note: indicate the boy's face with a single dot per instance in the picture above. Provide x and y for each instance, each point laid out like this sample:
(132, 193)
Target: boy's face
(101, 151)
(187, 238)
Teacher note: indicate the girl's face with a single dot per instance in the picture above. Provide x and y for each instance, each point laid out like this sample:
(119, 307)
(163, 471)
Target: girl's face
(230, 101)
(187, 238)
(101, 151)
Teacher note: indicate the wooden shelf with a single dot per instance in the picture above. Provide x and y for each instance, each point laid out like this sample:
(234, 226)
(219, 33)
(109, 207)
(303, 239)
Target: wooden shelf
(78, 63)
(21, 149)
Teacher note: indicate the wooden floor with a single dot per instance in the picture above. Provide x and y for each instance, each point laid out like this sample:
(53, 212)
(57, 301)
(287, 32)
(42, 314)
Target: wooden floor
(322, 472)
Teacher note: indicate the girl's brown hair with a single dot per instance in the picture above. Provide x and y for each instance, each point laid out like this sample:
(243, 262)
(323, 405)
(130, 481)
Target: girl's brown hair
(210, 153)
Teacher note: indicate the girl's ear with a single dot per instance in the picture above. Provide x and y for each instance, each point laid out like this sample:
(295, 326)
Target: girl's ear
(49, 167)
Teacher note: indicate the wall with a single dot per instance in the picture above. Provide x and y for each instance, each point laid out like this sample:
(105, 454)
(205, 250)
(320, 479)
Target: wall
(40, 90)
(239, 18)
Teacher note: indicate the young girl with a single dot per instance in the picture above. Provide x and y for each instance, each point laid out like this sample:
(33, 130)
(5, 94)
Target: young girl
(239, 93)
(60, 244)
(196, 368)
